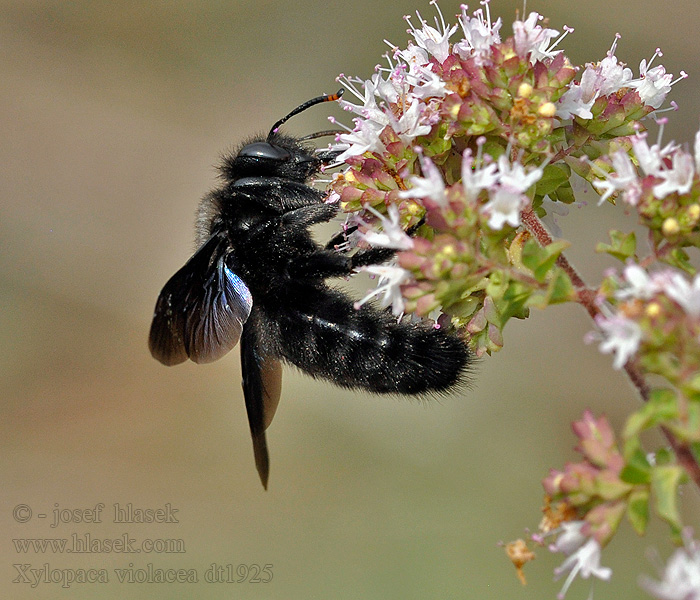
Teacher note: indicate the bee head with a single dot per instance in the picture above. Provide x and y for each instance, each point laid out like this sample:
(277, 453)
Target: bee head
(275, 156)
(279, 155)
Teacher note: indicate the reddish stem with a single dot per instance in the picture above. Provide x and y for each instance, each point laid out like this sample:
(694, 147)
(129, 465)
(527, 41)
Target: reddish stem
(587, 297)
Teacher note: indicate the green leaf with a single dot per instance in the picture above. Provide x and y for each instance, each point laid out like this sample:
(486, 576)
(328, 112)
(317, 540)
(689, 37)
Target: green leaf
(695, 449)
(514, 301)
(541, 260)
(692, 386)
(661, 408)
(637, 470)
(622, 246)
(560, 288)
(553, 176)
(664, 456)
(638, 510)
(687, 429)
(679, 258)
(564, 194)
(664, 484)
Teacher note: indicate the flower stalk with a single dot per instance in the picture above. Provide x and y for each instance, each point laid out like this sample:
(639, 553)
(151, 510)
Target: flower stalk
(461, 158)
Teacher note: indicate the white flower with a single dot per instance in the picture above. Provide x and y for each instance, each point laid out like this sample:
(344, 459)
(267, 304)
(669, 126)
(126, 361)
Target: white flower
(598, 79)
(554, 210)
(681, 577)
(503, 207)
(532, 39)
(684, 293)
(571, 539)
(515, 177)
(573, 103)
(609, 75)
(653, 84)
(364, 138)
(679, 178)
(479, 34)
(414, 56)
(411, 125)
(431, 186)
(651, 158)
(392, 234)
(620, 335)
(697, 151)
(426, 84)
(475, 179)
(585, 562)
(368, 109)
(507, 194)
(390, 280)
(389, 90)
(434, 39)
(623, 177)
(640, 284)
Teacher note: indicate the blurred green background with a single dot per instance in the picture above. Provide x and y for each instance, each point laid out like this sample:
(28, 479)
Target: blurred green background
(113, 114)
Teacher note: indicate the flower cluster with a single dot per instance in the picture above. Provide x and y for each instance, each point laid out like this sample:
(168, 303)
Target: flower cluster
(593, 486)
(663, 185)
(468, 137)
(461, 150)
(655, 317)
(586, 501)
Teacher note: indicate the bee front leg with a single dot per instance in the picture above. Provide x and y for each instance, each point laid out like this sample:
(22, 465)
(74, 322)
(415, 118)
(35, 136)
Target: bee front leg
(371, 256)
(329, 263)
(339, 242)
(309, 215)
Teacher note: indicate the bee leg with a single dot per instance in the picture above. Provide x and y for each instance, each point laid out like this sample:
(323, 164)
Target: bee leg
(329, 263)
(375, 256)
(371, 256)
(309, 215)
(339, 240)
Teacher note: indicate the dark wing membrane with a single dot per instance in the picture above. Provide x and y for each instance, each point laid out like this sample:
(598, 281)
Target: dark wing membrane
(271, 375)
(214, 324)
(262, 385)
(201, 310)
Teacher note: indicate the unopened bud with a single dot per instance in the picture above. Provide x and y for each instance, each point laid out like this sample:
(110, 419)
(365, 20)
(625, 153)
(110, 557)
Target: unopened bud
(653, 310)
(525, 90)
(547, 110)
(670, 226)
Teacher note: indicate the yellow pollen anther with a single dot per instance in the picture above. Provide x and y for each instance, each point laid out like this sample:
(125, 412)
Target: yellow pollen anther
(653, 310)
(525, 90)
(547, 110)
(670, 226)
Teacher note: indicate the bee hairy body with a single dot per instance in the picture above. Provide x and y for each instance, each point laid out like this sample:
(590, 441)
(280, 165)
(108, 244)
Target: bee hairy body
(259, 277)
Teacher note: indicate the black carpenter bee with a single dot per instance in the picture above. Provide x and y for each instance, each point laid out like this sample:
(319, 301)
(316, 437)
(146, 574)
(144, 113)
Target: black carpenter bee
(259, 277)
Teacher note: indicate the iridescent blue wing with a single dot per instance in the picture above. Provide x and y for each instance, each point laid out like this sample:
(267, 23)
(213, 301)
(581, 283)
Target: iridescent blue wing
(201, 310)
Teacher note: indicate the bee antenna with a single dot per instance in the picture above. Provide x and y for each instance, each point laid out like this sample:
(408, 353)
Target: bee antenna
(303, 107)
(318, 134)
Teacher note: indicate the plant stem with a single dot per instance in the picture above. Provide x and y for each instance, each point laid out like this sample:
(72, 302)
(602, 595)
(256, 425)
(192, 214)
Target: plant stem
(587, 298)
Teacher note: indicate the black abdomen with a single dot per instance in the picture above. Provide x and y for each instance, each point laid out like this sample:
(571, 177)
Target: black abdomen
(324, 335)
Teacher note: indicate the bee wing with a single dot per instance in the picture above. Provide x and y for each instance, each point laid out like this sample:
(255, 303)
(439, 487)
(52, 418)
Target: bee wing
(201, 310)
(262, 386)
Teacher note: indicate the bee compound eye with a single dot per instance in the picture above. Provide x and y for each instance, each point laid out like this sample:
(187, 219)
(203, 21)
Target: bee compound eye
(265, 150)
